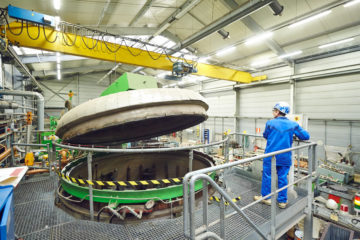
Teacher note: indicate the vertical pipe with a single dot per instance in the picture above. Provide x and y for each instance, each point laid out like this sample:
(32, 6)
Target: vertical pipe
(192, 210)
(292, 96)
(28, 137)
(298, 159)
(222, 217)
(91, 200)
(308, 223)
(205, 204)
(350, 133)
(237, 114)
(222, 126)
(226, 151)
(2, 78)
(12, 163)
(325, 132)
(78, 89)
(186, 211)
(213, 137)
(49, 157)
(243, 146)
(273, 197)
(191, 158)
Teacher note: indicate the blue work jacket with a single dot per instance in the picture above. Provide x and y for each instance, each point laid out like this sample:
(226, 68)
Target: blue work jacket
(279, 133)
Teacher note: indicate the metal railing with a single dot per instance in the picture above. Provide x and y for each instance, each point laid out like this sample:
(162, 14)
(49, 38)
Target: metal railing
(189, 196)
(92, 149)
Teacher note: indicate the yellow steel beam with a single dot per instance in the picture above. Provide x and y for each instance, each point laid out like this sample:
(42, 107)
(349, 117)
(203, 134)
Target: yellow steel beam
(68, 43)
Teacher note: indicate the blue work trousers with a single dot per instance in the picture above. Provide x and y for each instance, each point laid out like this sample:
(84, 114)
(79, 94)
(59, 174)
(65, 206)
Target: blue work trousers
(282, 172)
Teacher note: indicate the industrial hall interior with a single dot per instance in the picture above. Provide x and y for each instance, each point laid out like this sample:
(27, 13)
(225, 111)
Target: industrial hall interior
(179, 119)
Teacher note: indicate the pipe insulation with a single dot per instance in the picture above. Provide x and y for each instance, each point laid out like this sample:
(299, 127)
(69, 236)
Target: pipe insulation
(8, 105)
(40, 103)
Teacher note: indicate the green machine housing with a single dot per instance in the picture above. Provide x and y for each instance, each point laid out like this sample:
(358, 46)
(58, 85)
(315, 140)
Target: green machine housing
(130, 81)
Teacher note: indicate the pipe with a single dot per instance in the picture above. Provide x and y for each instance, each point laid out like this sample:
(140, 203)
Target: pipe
(40, 103)
(5, 154)
(7, 105)
(238, 14)
(35, 171)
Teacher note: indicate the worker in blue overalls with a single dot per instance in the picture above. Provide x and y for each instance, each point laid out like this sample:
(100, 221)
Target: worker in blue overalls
(279, 133)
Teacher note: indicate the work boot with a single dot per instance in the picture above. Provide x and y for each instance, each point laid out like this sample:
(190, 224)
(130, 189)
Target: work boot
(282, 205)
(265, 201)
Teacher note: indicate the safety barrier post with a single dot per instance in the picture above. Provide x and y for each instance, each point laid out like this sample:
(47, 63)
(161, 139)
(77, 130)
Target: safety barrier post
(308, 223)
(273, 197)
(91, 199)
(222, 217)
(205, 204)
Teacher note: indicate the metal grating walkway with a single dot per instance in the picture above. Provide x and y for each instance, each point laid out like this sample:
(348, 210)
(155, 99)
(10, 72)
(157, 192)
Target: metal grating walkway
(36, 216)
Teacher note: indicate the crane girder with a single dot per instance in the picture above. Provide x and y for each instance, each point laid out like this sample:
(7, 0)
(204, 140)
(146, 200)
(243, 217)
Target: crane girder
(44, 38)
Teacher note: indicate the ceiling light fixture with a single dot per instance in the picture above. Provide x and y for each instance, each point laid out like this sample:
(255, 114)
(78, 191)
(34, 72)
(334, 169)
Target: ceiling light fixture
(225, 51)
(291, 54)
(260, 62)
(258, 38)
(310, 19)
(336, 43)
(351, 3)
(57, 4)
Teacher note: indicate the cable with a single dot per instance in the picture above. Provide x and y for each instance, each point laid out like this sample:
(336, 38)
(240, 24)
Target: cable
(27, 30)
(109, 46)
(51, 33)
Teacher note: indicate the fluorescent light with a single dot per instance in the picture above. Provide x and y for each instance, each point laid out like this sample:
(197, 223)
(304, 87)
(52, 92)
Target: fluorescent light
(336, 43)
(310, 19)
(56, 4)
(58, 74)
(58, 66)
(225, 51)
(260, 62)
(258, 38)
(291, 54)
(204, 59)
(351, 3)
(58, 54)
(58, 60)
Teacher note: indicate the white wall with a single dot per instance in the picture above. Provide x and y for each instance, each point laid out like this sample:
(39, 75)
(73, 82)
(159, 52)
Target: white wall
(330, 100)
(88, 89)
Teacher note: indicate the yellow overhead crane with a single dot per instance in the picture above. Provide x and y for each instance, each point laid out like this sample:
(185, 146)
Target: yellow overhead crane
(25, 34)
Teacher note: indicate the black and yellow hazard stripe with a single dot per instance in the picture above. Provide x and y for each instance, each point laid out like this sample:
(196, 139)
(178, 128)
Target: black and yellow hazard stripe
(146, 183)
(216, 199)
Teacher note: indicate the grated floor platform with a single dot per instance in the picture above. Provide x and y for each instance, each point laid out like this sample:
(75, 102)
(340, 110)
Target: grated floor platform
(36, 216)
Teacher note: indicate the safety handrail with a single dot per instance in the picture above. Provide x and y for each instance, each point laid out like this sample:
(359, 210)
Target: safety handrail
(92, 149)
(188, 208)
(139, 150)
